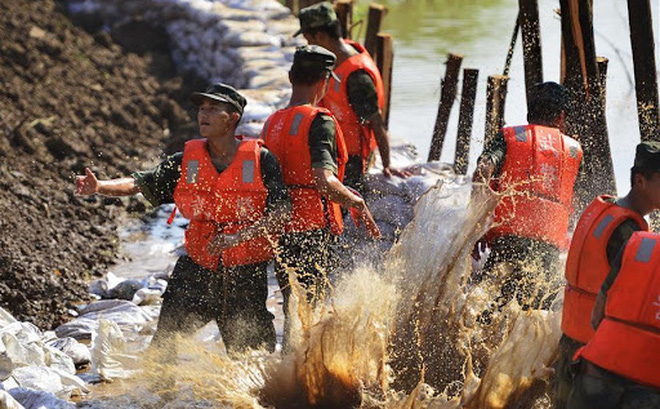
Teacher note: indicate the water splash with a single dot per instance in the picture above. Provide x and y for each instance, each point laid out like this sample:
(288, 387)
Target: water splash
(406, 337)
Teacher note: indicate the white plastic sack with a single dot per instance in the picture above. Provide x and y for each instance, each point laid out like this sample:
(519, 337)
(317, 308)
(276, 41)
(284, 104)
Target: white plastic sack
(8, 402)
(33, 399)
(78, 352)
(109, 357)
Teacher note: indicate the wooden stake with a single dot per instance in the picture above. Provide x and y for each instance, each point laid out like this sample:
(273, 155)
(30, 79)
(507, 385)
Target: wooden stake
(496, 89)
(585, 116)
(646, 76)
(466, 113)
(447, 96)
(344, 10)
(385, 60)
(531, 40)
(376, 14)
(293, 5)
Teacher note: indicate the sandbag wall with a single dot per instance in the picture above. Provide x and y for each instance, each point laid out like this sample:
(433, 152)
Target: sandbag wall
(246, 43)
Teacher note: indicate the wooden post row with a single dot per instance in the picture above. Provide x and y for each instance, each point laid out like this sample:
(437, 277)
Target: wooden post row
(376, 14)
(385, 61)
(466, 113)
(447, 96)
(496, 89)
(531, 42)
(646, 79)
(344, 10)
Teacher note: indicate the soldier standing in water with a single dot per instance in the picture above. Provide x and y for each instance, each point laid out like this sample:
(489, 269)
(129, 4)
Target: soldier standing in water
(232, 190)
(535, 166)
(602, 231)
(309, 145)
(356, 97)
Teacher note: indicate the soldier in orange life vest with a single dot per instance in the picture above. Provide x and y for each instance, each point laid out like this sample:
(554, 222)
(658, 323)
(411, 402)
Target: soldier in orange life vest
(356, 98)
(600, 234)
(309, 145)
(618, 368)
(231, 189)
(535, 167)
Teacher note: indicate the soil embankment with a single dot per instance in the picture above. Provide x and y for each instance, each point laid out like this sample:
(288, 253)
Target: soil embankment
(71, 98)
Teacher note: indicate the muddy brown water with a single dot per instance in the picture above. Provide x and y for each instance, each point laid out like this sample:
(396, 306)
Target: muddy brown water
(345, 351)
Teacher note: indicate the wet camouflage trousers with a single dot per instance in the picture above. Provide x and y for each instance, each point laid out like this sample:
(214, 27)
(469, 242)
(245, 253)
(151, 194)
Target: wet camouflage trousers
(601, 389)
(235, 297)
(563, 380)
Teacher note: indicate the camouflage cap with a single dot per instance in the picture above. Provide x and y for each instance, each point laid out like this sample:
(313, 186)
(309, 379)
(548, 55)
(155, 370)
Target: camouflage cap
(223, 93)
(647, 156)
(317, 15)
(314, 58)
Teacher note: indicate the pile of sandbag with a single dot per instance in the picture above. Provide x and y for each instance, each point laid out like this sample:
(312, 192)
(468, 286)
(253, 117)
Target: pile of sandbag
(391, 201)
(37, 369)
(246, 43)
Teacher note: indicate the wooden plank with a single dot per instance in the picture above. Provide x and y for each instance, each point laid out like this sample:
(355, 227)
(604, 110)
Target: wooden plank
(385, 61)
(465, 117)
(447, 97)
(496, 89)
(344, 10)
(646, 76)
(376, 15)
(531, 41)
(585, 116)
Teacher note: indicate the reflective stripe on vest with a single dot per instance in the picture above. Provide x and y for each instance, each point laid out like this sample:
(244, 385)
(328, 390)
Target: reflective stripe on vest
(287, 137)
(627, 340)
(537, 178)
(587, 264)
(360, 139)
(223, 202)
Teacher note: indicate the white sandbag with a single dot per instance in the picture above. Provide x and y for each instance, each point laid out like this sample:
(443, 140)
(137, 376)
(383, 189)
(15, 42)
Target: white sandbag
(80, 328)
(55, 358)
(38, 377)
(394, 210)
(379, 185)
(23, 353)
(8, 402)
(79, 353)
(34, 399)
(6, 318)
(109, 357)
(147, 296)
(122, 312)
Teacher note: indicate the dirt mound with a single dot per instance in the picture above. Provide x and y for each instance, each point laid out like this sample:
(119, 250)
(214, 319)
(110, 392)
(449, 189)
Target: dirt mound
(70, 99)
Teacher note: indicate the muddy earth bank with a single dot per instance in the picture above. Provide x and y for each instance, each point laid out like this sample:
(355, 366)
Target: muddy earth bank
(71, 96)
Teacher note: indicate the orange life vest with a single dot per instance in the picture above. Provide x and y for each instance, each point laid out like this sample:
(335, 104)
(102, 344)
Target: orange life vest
(627, 340)
(539, 170)
(360, 139)
(587, 264)
(286, 133)
(223, 202)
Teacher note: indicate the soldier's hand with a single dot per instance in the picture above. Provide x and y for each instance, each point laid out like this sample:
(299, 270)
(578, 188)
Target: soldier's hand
(222, 242)
(365, 216)
(88, 184)
(389, 172)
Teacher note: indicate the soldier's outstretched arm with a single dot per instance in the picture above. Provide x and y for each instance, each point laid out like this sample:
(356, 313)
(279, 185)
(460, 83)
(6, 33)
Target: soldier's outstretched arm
(89, 184)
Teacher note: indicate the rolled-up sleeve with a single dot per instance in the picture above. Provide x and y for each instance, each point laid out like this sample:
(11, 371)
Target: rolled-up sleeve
(158, 184)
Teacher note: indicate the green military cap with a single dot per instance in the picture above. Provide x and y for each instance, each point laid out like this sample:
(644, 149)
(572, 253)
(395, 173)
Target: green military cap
(223, 93)
(314, 58)
(647, 156)
(317, 15)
